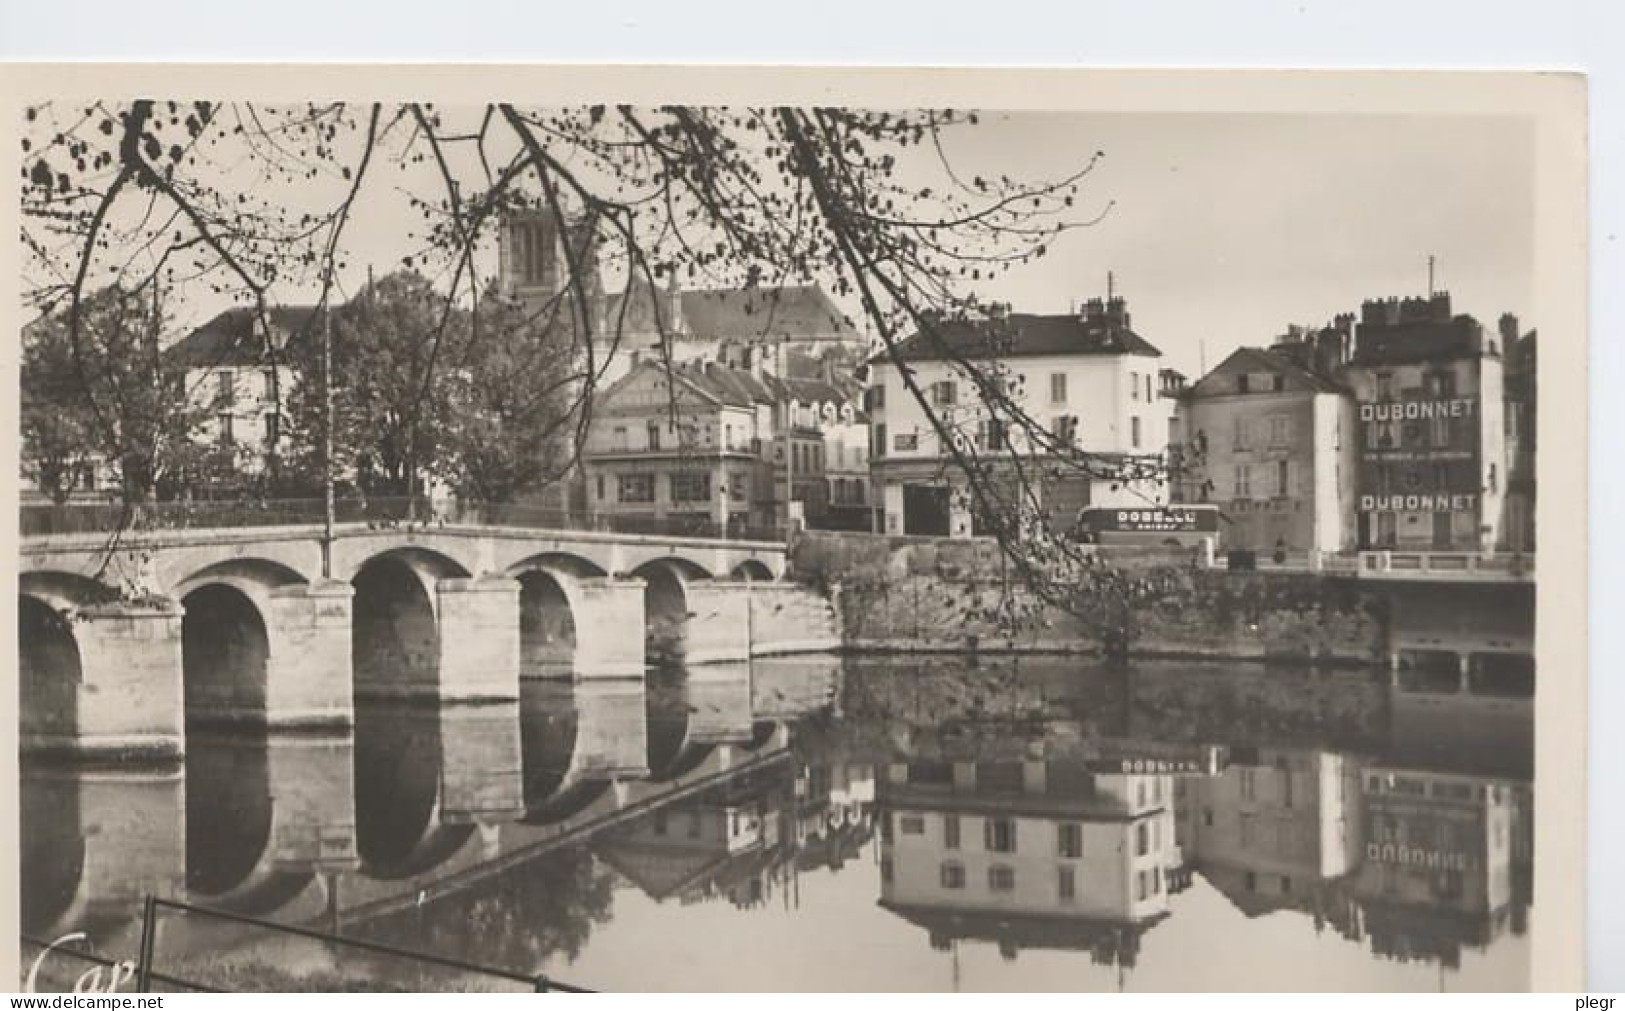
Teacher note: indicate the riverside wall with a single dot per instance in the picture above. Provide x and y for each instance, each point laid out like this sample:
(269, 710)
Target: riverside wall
(915, 594)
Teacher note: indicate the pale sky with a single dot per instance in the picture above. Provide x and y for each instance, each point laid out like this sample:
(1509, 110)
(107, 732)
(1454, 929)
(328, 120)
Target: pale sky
(1224, 229)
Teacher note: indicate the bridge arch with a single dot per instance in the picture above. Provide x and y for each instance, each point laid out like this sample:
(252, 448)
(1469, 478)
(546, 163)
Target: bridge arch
(550, 610)
(395, 637)
(666, 607)
(228, 639)
(51, 670)
(753, 570)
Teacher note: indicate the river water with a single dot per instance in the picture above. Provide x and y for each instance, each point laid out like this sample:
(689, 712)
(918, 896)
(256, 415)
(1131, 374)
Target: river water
(825, 823)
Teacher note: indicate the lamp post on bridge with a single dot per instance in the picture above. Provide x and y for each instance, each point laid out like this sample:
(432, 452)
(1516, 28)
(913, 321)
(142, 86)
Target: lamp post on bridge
(327, 440)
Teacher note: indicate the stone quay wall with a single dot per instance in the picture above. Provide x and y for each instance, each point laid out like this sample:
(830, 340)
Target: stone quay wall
(916, 594)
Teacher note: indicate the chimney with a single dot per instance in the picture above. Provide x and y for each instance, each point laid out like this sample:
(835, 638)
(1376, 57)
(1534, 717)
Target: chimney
(1509, 330)
(1440, 305)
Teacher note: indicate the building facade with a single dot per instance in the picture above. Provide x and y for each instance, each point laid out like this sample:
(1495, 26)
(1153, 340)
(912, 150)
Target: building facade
(706, 444)
(1268, 435)
(1429, 387)
(1087, 379)
(684, 445)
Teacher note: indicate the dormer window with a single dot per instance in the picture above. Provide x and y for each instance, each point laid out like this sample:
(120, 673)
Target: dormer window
(1241, 383)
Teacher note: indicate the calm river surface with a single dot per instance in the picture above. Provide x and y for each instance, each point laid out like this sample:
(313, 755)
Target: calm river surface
(825, 823)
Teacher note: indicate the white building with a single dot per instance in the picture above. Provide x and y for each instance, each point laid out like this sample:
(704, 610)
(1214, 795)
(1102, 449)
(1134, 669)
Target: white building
(1086, 378)
(237, 376)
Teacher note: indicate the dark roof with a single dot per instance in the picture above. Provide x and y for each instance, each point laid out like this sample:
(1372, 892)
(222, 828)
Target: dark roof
(1266, 360)
(795, 312)
(229, 338)
(734, 387)
(1023, 335)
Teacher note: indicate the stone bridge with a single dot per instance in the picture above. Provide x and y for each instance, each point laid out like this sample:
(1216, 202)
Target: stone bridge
(124, 642)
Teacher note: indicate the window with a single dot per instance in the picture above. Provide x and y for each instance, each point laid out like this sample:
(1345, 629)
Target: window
(1001, 878)
(1057, 387)
(1385, 386)
(273, 427)
(600, 483)
(909, 441)
(1244, 481)
(1441, 431)
(228, 431)
(1278, 382)
(953, 875)
(911, 824)
(1282, 476)
(691, 486)
(1065, 429)
(944, 393)
(738, 487)
(654, 435)
(1249, 784)
(1241, 383)
(1244, 433)
(1134, 386)
(1148, 387)
(993, 434)
(876, 399)
(1134, 432)
(1069, 840)
(636, 488)
(950, 831)
(1067, 886)
(1280, 429)
(1142, 889)
(225, 390)
(879, 447)
(999, 835)
(1142, 839)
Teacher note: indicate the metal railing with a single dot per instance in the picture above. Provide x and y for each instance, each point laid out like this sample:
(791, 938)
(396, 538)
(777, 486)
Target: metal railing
(146, 974)
(43, 521)
(1447, 565)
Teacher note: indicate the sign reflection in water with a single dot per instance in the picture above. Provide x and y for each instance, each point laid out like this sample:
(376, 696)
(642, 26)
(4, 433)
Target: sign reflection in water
(848, 823)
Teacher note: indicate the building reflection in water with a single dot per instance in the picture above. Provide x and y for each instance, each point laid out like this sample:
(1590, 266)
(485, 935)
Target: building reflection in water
(1044, 854)
(516, 833)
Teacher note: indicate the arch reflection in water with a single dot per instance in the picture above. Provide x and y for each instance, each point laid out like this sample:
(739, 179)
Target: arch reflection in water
(266, 815)
(96, 842)
(579, 740)
(401, 827)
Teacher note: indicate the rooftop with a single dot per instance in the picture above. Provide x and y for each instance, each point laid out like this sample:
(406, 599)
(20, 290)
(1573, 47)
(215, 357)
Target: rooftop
(229, 338)
(1100, 329)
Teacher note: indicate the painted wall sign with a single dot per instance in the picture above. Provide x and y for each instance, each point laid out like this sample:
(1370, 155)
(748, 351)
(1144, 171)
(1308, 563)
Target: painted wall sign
(1417, 410)
(1434, 503)
(1158, 519)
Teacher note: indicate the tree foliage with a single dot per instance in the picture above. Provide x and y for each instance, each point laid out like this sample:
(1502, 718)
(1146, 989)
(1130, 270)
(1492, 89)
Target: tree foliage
(251, 203)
